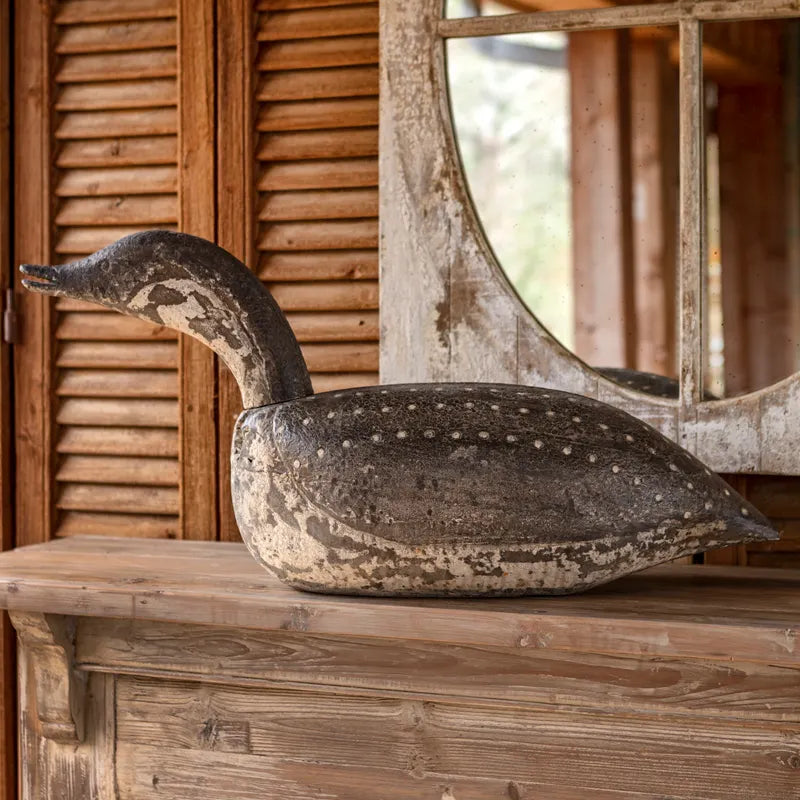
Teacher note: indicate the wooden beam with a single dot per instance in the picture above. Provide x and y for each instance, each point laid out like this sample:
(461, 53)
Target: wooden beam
(605, 321)
(235, 170)
(654, 122)
(198, 430)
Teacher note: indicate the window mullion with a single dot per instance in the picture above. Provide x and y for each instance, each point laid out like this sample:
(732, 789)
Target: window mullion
(692, 248)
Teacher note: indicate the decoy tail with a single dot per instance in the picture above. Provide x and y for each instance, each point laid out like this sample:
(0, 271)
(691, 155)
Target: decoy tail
(197, 288)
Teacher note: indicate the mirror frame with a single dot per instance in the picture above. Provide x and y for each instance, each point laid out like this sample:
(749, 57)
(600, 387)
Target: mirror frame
(448, 311)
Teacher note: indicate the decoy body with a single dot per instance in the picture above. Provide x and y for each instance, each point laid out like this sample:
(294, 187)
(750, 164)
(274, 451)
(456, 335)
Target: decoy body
(436, 489)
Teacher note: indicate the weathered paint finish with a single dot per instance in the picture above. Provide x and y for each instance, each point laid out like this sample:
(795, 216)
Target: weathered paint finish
(453, 489)
(445, 489)
(448, 312)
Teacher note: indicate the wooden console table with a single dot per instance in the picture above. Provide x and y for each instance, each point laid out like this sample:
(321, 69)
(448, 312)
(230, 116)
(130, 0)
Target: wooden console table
(182, 671)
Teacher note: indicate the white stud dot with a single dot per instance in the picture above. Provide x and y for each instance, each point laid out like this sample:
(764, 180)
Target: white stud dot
(651, 450)
(440, 406)
(745, 512)
(576, 419)
(603, 426)
(357, 412)
(384, 391)
(483, 434)
(468, 389)
(320, 452)
(359, 394)
(346, 444)
(296, 464)
(412, 406)
(524, 410)
(708, 505)
(637, 481)
(469, 405)
(551, 413)
(511, 438)
(402, 434)
(628, 437)
(690, 485)
(538, 444)
(727, 493)
(567, 451)
(495, 407)
(615, 469)
(429, 434)
(386, 409)
(673, 467)
(376, 437)
(307, 420)
(455, 435)
(687, 514)
(592, 458)
(659, 498)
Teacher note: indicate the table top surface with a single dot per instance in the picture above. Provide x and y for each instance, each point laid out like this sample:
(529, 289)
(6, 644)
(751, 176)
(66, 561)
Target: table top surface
(688, 611)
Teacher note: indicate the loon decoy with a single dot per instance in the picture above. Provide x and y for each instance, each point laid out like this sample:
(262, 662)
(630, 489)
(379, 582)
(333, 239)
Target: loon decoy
(451, 489)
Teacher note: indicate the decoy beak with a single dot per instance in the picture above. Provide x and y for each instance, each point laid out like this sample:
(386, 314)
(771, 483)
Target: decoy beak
(44, 280)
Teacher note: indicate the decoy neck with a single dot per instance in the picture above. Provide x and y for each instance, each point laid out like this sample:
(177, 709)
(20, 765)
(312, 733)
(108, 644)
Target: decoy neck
(197, 288)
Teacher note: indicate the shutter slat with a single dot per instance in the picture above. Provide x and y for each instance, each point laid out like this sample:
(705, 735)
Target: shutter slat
(310, 205)
(119, 180)
(140, 355)
(326, 295)
(332, 52)
(115, 469)
(104, 124)
(341, 357)
(85, 523)
(306, 84)
(316, 114)
(109, 326)
(332, 382)
(318, 23)
(117, 383)
(282, 5)
(83, 241)
(125, 413)
(333, 265)
(154, 93)
(334, 326)
(72, 11)
(328, 235)
(135, 499)
(144, 210)
(342, 143)
(118, 66)
(119, 441)
(140, 151)
(342, 173)
(117, 37)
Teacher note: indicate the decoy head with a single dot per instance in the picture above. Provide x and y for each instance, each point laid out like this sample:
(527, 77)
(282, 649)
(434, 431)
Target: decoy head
(192, 285)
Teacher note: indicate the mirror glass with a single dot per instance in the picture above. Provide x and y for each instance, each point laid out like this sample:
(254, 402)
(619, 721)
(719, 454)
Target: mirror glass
(752, 281)
(569, 147)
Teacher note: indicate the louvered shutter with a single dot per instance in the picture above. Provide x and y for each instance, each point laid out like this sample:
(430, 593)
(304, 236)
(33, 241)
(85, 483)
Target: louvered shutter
(300, 78)
(105, 447)
(316, 120)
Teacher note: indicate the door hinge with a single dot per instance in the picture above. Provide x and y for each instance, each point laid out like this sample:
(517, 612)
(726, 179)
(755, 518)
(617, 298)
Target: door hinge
(9, 318)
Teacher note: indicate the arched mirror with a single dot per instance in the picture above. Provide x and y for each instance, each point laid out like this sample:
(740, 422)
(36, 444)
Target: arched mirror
(601, 199)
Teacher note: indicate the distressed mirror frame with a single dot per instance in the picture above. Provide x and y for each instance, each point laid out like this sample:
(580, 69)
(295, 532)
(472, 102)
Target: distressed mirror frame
(448, 312)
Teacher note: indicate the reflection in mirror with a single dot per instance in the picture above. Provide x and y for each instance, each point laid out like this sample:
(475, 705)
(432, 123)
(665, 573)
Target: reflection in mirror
(569, 145)
(753, 177)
